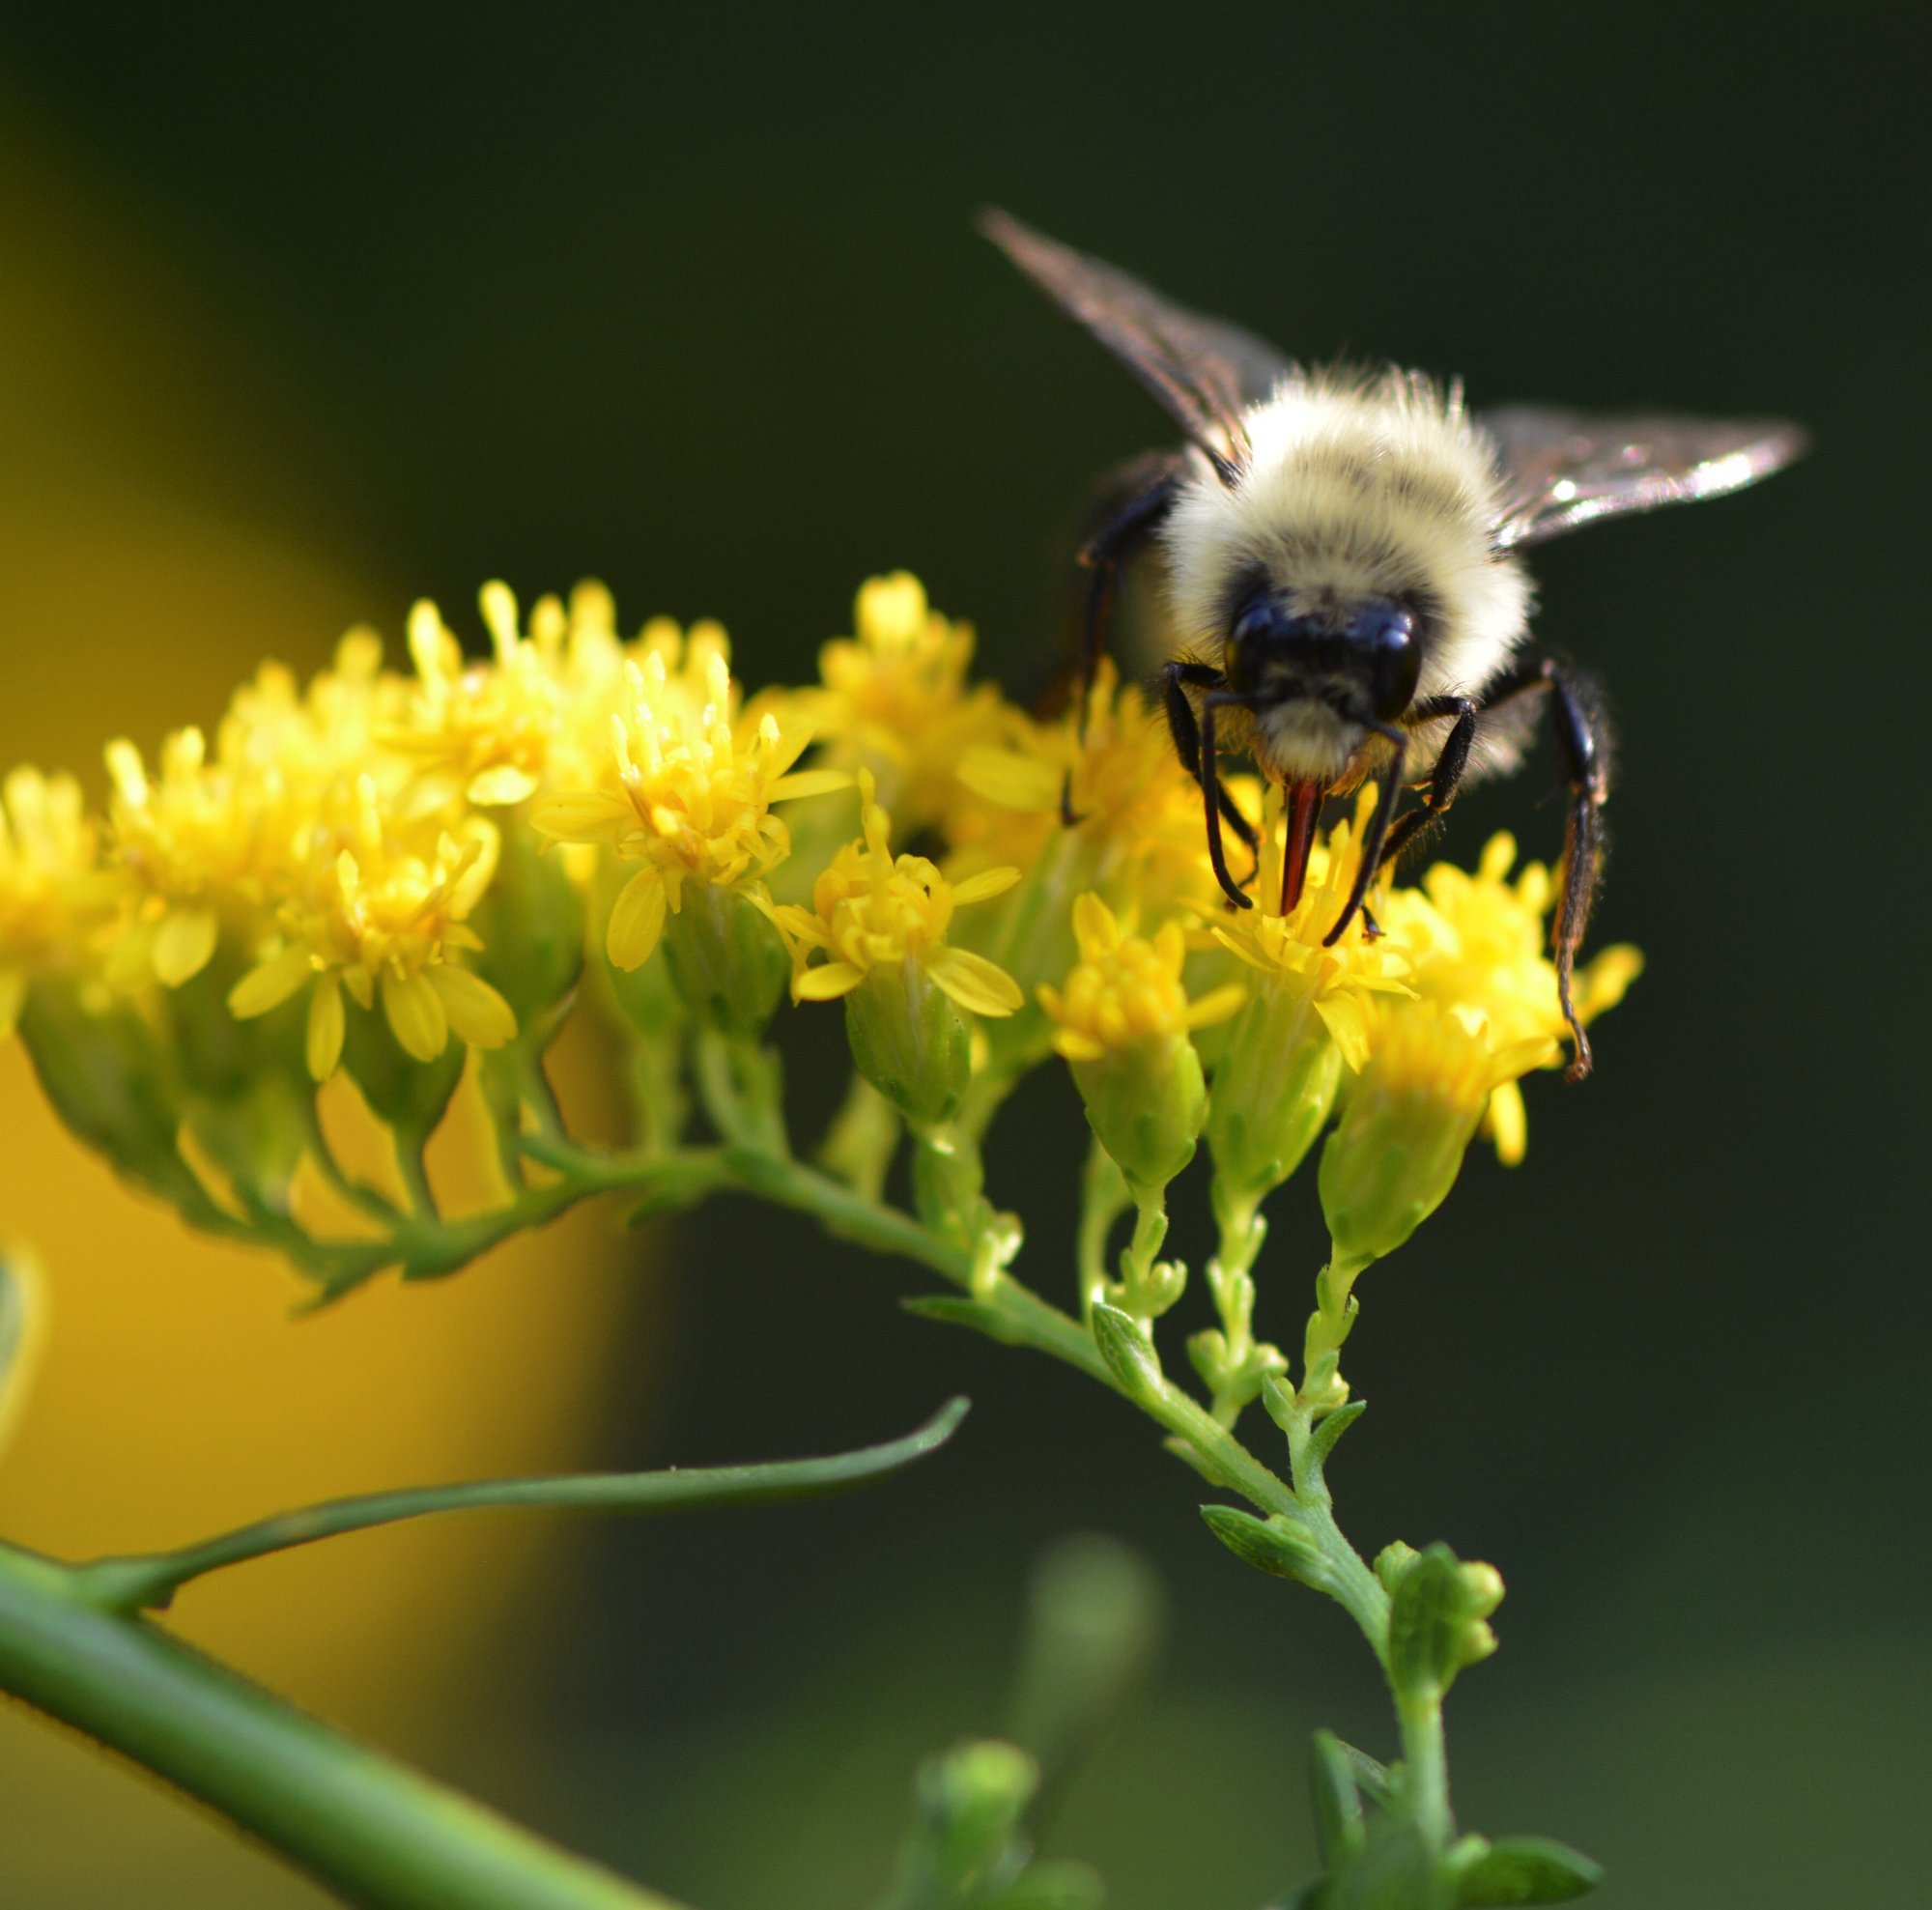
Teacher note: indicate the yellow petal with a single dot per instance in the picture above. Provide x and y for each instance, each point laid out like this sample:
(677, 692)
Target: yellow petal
(361, 986)
(1095, 928)
(416, 1013)
(1216, 1005)
(269, 985)
(12, 993)
(325, 1025)
(1074, 1046)
(987, 883)
(1508, 1124)
(636, 921)
(478, 1014)
(184, 944)
(1013, 781)
(581, 815)
(975, 983)
(501, 786)
(1349, 1027)
(826, 983)
(808, 783)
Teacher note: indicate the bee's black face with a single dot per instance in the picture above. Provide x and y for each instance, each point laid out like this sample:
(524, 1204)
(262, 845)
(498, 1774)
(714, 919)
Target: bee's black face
(1363, 661)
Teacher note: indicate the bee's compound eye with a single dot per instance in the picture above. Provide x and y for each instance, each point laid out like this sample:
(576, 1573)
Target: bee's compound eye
(1254, 634)
(1387, 632)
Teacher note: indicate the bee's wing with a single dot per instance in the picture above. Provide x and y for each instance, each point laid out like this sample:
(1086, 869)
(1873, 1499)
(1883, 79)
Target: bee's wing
(1566, 468)
(1201, 372)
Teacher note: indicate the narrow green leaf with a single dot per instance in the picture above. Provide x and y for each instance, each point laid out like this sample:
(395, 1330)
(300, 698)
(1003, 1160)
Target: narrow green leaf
(1338, 1801)
(1371, 1776)
(1058, 1886)
(1526, 1869)
(1267, 1546)
(151, 1580)
(954, 1311)
(1128, 1353)
(1328, 1431)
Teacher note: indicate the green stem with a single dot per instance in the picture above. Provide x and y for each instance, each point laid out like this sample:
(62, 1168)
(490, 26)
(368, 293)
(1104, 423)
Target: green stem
(376, 1832)
(1426, 1770)
(128, 1585)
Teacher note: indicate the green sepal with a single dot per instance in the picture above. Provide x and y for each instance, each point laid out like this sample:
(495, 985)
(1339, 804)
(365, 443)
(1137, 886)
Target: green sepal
(1525, 1870)
(1438, 1608)
(1268, 1545)
(1128, 1353)
(1339, 1828)
(409, 1096)
(727, 960)
(256, 1137)
(1328, 1430)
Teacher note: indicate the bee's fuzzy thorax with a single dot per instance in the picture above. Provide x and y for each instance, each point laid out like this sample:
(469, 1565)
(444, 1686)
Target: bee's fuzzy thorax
(1359, 488)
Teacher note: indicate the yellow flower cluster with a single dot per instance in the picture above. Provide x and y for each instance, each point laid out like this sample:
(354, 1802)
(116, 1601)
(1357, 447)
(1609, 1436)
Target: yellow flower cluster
(382, 842)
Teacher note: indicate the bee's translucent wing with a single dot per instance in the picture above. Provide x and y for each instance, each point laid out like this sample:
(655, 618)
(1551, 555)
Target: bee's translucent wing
(1566, 468)
(1202, 372)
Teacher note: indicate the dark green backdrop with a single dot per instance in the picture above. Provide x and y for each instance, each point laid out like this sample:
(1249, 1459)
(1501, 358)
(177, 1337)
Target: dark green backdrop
(695, 306)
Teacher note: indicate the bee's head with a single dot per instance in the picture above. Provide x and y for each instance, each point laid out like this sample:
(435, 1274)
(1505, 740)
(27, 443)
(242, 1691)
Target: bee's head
(1360, 657)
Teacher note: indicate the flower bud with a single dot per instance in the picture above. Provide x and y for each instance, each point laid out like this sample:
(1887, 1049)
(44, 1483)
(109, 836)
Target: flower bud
(1123, 1022)
(1439, 1613)
(112, 1083)
(727, 960)
(909, 1041)
(530, 923)
(1273, 1092)
(1408, 1121)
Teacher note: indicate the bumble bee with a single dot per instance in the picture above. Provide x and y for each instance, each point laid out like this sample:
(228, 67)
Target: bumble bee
(1343, 562)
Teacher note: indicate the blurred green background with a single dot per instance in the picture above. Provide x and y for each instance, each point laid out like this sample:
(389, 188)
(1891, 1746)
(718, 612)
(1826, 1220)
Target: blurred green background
(313, 310)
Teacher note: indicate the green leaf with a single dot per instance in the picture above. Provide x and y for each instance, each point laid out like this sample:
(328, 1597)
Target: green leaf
(1330, 1430)
(952, 1311)
(1372, 1777)
(151, 1580)
(1128, 1353)
(1338, 1802)
(1268, 1545)
(1526, 1869)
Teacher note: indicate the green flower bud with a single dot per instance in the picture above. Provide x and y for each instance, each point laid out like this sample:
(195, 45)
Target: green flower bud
(1438, 1612)
(113, 1083)
(1122, 1021)
(530, 922)
(727, 959)
(1273, 1092)
(1408, 1121)
(909, 1041)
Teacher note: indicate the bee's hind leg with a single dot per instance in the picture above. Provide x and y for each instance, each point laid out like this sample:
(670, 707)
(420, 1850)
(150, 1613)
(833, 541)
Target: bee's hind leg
(1582, 736)
(1133, 506)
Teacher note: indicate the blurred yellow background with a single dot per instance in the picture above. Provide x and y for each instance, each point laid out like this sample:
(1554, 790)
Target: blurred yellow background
(179, 1392)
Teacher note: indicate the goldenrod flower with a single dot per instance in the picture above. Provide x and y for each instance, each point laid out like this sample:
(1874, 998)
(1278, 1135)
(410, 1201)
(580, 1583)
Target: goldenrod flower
(377, 912)
(895, 701)
(1286, 949)
(498, 729)
(1477, 944)
(686, 787)
(1126, 989)
(874, 911)
(53, 892)
(1139, 839)
(1122, 1021)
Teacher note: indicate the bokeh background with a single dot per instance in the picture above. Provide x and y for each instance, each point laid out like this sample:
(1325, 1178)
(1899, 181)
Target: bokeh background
(306, 312)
